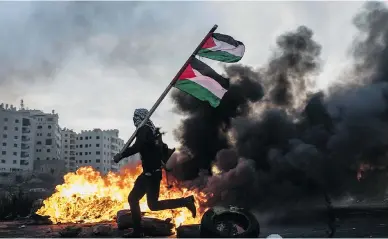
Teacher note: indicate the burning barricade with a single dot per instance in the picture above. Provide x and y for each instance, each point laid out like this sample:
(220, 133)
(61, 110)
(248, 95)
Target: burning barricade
(88, 197)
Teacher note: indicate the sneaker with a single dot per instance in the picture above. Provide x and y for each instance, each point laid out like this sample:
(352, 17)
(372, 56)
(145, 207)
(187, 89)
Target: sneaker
(191, 206)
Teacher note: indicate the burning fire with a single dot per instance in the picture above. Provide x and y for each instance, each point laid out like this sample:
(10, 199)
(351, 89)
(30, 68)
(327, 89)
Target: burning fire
(88, 197)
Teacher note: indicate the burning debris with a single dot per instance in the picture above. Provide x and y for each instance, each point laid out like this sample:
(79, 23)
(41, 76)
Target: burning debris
(88, 197)
(271, 142)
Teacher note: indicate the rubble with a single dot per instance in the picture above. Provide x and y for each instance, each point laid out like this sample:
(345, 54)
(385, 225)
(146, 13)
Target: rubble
(102, 230)
(70, 231)
(152, 226)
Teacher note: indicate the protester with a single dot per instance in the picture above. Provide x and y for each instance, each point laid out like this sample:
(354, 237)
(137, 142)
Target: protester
(148, 183)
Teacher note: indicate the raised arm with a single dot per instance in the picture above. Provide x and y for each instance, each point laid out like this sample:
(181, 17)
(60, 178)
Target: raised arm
(141, 138)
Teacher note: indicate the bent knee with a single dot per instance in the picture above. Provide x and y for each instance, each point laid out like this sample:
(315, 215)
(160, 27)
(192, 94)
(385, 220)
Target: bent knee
(153, 205)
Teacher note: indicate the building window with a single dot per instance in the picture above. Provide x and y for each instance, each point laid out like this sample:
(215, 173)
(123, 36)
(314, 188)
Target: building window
(37, 158)
(15, 137)
(66, 146)
(49, 126)
(14, 161)
(5, 119)
(97, 160)
(97, 145)
(15, 145)
(39, 127)
(4, 136)
(98, 152)
(80, 138)
(15, 153)
(2, 161)
(47, 158)
(86, 145)
(50, 119)
(49, 135)
(16, 129)
(4, 144)
(76, 153)
(65, 140)
(48, 150)
(76, 146)
(97, 137)
(85, 161)
(90, 145)
(17, 121)
(80, 146)
(80, 153)
(5, 127)
(3, 153)
(49, 141)
(39, 142)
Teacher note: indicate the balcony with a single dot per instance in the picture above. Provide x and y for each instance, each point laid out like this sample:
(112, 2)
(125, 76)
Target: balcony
(72, 141)
(25, 146)
(72, 147)
(24, 162)
(25, 138)
(24, 155)
(26, 130)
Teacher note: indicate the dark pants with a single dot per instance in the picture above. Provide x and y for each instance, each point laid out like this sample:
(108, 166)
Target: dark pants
(150, 185)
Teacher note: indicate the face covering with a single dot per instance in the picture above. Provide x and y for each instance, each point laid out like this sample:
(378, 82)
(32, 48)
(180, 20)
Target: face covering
(139, 115)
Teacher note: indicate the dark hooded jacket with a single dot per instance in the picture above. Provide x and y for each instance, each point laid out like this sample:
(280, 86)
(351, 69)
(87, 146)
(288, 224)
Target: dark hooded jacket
(151, 148)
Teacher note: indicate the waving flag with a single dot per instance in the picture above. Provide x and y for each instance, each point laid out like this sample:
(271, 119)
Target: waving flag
(202, 82)
(224, 48)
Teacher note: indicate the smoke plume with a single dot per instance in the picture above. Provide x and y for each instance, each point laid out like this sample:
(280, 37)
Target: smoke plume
(288, 142)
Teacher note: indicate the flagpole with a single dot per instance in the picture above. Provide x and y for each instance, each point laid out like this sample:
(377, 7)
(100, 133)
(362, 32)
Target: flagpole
(168, 88)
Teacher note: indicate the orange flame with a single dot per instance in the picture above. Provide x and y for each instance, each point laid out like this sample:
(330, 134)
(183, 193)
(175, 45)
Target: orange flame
(87, 196)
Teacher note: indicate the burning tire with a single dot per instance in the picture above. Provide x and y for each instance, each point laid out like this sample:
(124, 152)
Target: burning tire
(229, 222)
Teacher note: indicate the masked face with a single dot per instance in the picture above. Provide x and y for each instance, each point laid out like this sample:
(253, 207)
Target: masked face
(138, 117)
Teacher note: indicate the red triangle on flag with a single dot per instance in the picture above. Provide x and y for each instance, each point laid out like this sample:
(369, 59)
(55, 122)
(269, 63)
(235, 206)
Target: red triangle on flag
(209, 43)
(188, 73)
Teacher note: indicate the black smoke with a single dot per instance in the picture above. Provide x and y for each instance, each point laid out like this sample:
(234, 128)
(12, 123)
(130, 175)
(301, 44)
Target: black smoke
(289, 143)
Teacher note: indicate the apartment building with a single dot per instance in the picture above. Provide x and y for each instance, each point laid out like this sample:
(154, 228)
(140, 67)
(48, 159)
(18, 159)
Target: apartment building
(97, 147)
(17, 135)
(48, 135)
(68, 151)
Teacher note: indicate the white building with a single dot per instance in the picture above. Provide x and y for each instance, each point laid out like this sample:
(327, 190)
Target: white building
(97, 147)
(48, 135)
(68, 149)
(17, 135)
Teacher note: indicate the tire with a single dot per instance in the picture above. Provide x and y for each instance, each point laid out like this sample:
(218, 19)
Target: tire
(217, 216)
(188, 231)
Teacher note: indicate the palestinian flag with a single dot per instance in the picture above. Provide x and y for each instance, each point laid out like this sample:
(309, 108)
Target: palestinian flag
(202, 82)
(222, 48)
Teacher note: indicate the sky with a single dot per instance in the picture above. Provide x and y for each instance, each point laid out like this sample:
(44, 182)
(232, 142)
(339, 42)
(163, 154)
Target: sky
(96, 62)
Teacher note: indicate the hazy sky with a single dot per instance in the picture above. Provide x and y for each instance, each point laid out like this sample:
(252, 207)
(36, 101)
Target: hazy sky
(95, 62)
